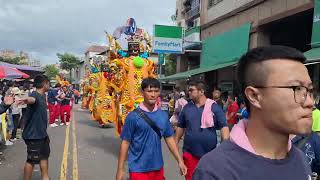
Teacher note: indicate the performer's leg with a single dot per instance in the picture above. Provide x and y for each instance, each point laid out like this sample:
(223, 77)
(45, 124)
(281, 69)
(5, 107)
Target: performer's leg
(68, 110)
(52, 113)
(62, 111)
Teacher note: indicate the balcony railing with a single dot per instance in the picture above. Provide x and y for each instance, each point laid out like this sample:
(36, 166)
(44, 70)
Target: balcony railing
(193, 12)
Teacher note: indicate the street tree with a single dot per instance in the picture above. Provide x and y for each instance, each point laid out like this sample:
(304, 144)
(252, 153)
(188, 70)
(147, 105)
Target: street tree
(51, 71)
(15, 60)
(68, 62)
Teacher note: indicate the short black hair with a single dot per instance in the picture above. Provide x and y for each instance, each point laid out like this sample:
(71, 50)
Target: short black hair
(40, 81)
(240, 101)
(317, 105)
(232, 96)
(10, 83)
(57, 85)
(200, 85)
(26, 86)
(150, 82)
(250, 70)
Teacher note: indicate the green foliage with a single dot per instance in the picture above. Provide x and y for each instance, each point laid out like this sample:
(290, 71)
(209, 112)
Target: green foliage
(68, 61)
(51, 71)
(15, 60)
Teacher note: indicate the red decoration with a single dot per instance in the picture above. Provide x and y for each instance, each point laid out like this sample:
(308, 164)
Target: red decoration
(106, 74)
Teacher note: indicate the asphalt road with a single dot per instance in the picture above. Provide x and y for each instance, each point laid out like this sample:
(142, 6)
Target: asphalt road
(81, 150)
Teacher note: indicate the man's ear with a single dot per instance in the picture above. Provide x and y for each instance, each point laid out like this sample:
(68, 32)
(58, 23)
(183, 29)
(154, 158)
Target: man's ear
(254, 96)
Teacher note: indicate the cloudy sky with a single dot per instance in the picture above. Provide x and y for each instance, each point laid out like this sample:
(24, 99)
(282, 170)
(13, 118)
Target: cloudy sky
(46, 27)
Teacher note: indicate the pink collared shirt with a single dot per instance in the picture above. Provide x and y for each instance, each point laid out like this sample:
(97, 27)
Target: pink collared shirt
(144, 108)
(238, 136)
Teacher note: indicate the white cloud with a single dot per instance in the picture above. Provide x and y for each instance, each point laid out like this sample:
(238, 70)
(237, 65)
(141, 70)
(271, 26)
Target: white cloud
(45, 28)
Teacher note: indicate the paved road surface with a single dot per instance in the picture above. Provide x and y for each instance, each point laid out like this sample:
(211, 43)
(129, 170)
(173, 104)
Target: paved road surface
(86, 153)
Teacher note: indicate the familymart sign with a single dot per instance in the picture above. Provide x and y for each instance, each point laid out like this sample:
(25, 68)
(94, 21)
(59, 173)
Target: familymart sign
(167, 39)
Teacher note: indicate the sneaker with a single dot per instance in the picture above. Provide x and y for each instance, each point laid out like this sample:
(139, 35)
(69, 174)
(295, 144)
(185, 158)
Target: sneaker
(12, 140)
(61, 124)
(9, 143)
(1, 153)
(53, 125)
(68, 123)
(56, 120)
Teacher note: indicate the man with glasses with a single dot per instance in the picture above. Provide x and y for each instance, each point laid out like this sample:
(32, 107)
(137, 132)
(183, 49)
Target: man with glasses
(199, 140)
(278, 94)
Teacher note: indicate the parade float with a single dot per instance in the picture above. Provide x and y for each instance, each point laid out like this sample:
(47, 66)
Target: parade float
(62, 81)
(112, 89)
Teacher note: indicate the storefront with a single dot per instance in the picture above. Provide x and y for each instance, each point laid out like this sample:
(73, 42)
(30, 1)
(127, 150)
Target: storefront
(313, 65)
(219, 56)
(313, 55)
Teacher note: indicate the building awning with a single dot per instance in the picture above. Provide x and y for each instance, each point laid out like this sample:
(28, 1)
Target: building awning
(313, 56)
(22, 67)
(226, 47)
(187, 74)
(181, 75)
(220, 51)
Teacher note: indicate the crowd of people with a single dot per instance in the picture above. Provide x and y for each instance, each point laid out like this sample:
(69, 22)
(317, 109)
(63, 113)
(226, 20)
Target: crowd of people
(270, 131)
(59, 100)
(13, 117)
(25, 110)
(264, 132)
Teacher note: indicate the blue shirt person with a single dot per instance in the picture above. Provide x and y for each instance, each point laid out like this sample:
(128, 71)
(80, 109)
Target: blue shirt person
(243, 112)
(197, 140)
(141, 143)
(52, 96)
(310, 146)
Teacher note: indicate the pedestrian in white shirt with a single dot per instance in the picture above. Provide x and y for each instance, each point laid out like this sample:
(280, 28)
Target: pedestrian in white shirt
(16, 114)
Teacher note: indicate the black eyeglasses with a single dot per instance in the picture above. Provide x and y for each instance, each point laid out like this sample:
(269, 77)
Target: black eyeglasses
(300, 92)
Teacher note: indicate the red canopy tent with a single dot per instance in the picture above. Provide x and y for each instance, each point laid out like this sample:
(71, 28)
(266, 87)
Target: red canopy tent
(12, 73)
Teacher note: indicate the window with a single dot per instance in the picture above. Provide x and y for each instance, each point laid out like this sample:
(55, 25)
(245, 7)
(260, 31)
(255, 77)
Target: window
(212, 3)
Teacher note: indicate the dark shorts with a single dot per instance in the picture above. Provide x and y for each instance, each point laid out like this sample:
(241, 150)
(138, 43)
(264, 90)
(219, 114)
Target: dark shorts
(37, 150)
